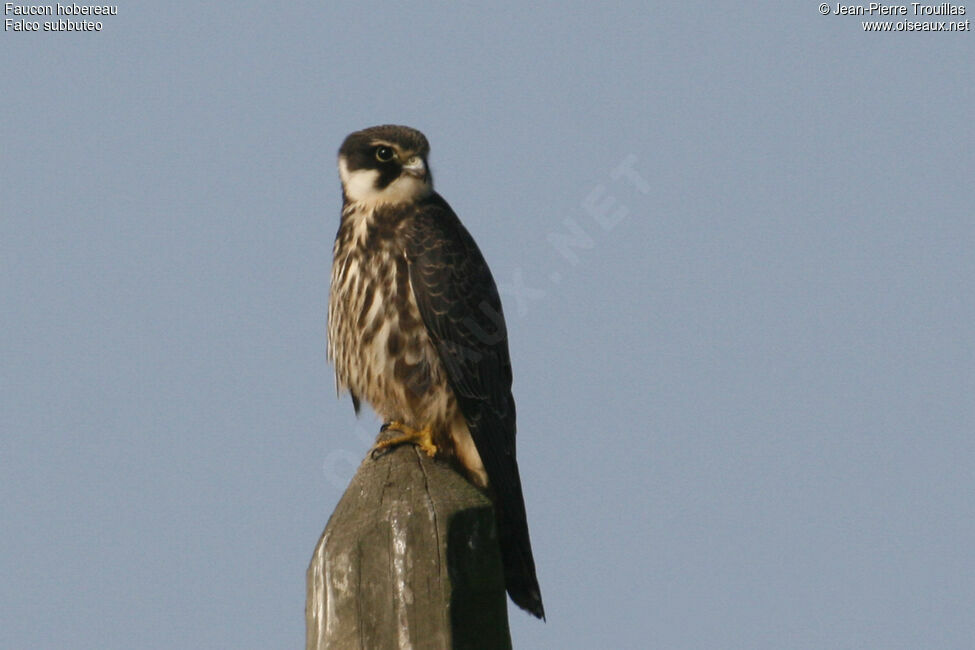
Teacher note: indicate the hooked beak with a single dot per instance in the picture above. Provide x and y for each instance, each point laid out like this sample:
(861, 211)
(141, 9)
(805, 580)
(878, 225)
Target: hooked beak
(415, 167)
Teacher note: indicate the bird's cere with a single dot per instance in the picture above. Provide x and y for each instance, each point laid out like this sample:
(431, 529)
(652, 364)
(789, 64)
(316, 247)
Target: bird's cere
(415, 167)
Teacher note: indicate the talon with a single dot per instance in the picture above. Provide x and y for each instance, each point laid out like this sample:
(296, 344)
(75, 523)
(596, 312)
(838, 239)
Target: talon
(422, 438)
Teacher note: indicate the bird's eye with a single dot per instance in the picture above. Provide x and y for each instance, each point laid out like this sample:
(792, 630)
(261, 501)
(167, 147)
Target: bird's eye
(384, 154)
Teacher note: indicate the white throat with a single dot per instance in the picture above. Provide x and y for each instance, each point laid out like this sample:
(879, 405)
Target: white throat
(360, 187)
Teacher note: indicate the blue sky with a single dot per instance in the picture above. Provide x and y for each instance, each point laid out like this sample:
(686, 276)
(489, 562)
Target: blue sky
(744, 396)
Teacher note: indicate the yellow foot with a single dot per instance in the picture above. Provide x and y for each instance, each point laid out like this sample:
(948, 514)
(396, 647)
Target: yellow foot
(422, 438)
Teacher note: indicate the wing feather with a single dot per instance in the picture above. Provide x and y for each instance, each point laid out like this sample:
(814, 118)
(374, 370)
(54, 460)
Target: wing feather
(460, 307)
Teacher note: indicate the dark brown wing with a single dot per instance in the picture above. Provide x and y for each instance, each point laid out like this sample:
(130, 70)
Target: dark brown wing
(461, 309)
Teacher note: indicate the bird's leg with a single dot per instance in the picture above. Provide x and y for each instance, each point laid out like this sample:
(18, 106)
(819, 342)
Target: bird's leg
(422, 438)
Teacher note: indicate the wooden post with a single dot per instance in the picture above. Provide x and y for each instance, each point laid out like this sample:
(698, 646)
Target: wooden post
(408, 560)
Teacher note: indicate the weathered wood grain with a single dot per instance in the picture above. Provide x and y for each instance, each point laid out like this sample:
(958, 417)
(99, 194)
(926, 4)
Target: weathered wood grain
(409, 559)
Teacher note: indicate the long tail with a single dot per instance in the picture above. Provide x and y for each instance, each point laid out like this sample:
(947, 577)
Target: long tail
(493, 433)
(516, 549)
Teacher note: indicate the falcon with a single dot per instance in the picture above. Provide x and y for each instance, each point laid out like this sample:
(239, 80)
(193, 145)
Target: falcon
(415, 328)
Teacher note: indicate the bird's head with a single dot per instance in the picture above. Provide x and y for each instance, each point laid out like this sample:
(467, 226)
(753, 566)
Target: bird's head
(385, 164)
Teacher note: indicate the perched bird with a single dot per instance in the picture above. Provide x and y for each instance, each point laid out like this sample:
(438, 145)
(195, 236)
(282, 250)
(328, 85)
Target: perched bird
(415, 328)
